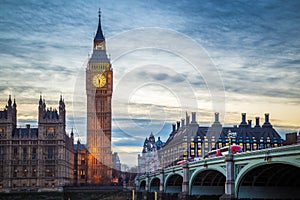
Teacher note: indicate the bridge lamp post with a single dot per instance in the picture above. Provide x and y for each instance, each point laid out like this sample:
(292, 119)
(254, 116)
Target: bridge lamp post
(230, 136)
(267, 157)
(185, 146)
(229, 184)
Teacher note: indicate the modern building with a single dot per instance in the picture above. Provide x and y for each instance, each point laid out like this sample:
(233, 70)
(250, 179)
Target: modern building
(35, 157)
(99, 88)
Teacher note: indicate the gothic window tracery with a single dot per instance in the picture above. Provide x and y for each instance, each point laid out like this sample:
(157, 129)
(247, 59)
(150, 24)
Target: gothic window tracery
(50, 132)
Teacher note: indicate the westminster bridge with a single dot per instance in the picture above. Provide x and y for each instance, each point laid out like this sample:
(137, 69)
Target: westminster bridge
(267, 174)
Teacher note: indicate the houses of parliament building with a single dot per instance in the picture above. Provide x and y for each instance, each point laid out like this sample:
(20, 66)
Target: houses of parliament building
(41, 157)
(46, 158)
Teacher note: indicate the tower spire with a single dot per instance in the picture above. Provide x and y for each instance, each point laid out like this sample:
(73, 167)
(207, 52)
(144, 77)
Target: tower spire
(14, 105)
(41, 101)
(9, 100)
(99, 35)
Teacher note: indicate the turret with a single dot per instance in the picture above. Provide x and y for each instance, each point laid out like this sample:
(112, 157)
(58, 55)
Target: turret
(14, 113)
(145, 148)
(41, 101)
(53, 120)
(72, 136)
(41, 109)
(11, 112)
(9, 102)
(78, 144)
(15, 105)
(52, 115)
(62, 111)
(151, 138)
(8, 117)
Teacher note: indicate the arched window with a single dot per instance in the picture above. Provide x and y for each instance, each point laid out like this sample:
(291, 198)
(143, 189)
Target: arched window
(1, 132)
(50, 132)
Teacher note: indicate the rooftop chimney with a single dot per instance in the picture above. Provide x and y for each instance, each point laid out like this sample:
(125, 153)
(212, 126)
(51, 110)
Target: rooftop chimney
(178, 125)
(182, 122)
(193, 117)
(173, 128)
(216, 117)
(267, 122)
(243, 123)
(187, 119)
(28, 126)
(267, 118)
(243, 118)
(257, 122)
(250, 123)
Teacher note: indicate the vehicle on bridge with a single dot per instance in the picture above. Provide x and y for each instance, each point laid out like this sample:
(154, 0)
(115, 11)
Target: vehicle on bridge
(214, 153)
(224, 151)
(188, 160)
(181, 162)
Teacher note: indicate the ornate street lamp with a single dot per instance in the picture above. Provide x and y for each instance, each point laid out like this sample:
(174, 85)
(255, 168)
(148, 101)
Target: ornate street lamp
(230, 136)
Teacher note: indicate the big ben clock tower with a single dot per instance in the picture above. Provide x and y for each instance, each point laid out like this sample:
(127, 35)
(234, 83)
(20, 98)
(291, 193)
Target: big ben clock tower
(99, 87)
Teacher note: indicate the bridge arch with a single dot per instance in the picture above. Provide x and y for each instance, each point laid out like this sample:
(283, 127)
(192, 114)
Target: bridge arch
(207, 182)
(276, 180)
(173, 183)
(154, 184)
(142, 186)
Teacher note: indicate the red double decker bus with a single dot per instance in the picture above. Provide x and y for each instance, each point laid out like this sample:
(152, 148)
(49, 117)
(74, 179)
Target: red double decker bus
(224, 151)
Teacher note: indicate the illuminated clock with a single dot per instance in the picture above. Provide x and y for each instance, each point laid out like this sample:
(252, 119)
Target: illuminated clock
(99, 80)
(96, 80)
(102, 80)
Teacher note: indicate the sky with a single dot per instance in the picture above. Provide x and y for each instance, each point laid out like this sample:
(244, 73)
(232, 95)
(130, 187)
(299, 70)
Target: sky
(168, 58)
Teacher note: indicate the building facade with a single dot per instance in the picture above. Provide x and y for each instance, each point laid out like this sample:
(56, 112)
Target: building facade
(99, 88)
(249, 137)
(188, 141)
(292, 138)
(39, 158)
(81, 157)
(116, 169)
(149, 159)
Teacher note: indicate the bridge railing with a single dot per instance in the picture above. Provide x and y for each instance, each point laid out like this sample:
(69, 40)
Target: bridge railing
(276, 151)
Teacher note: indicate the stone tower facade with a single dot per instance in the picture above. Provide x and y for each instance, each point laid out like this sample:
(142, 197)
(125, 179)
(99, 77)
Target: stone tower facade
(8, 119)
(41, 158)
(99, 88)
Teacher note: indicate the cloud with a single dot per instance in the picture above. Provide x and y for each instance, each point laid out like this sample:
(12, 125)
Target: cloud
(44, 48)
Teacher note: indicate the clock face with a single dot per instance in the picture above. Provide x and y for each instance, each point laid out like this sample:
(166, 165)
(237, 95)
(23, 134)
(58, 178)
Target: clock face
(102, 80)
(99, 80)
